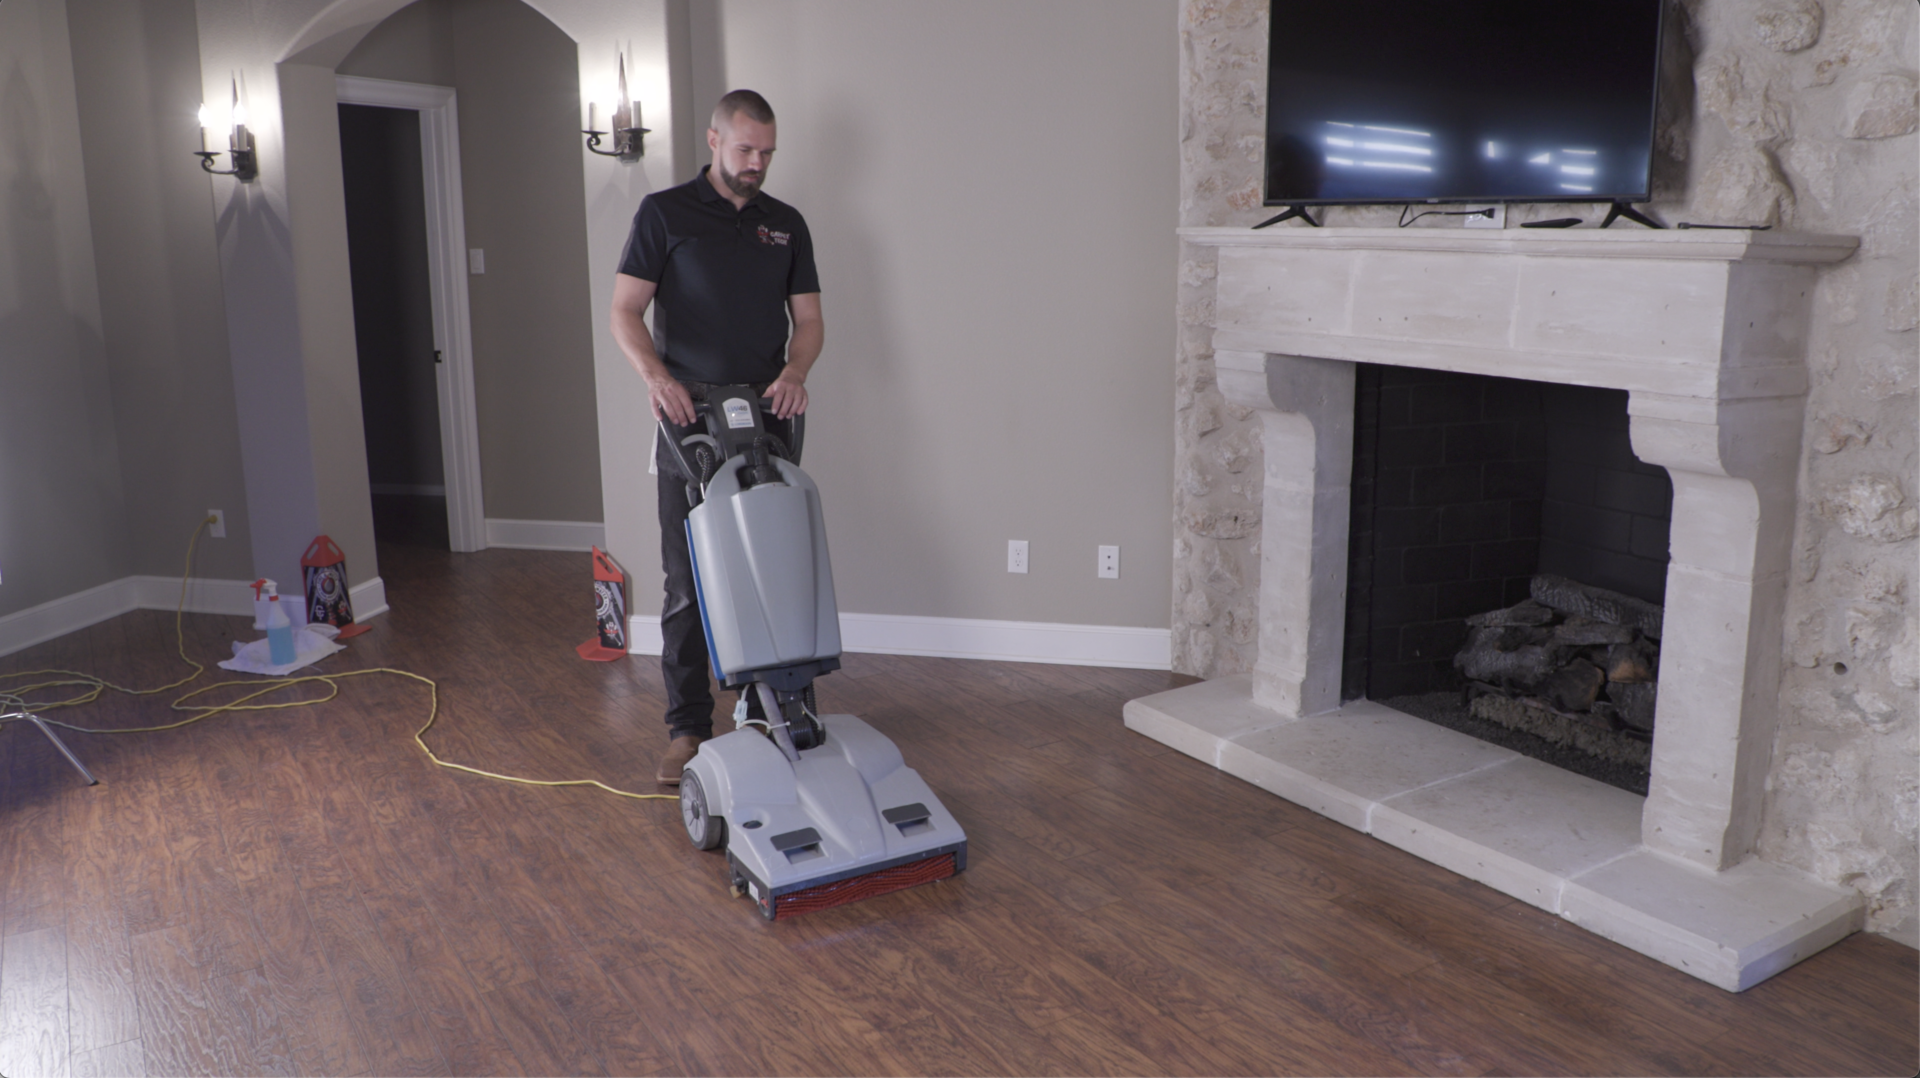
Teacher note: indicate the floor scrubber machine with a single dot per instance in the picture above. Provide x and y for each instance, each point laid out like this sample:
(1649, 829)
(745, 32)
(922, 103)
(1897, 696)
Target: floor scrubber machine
(813, 810)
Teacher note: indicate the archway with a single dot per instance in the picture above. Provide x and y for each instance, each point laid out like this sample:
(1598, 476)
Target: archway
(285, 269)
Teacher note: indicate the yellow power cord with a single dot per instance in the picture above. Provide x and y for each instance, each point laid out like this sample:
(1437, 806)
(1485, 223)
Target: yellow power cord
(95, 686)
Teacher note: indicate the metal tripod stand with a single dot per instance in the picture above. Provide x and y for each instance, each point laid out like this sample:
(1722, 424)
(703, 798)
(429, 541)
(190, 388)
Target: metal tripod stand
(19, 712)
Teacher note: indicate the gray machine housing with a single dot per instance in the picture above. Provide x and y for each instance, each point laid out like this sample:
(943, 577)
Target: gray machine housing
(766, 583)
(848, 807)
(799, 800)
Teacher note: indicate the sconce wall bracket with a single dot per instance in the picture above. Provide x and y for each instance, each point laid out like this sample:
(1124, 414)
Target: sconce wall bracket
(245, 164)
(628, 143)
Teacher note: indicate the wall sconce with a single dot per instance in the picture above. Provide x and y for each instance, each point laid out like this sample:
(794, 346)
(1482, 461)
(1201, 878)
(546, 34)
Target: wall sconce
(239, 140)
(625, 118)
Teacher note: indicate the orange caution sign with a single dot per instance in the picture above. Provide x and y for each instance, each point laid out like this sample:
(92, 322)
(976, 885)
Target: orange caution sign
(610, 589)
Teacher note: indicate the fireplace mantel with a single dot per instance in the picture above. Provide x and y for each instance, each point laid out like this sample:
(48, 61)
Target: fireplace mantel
(1706, 330)
(1651, 312)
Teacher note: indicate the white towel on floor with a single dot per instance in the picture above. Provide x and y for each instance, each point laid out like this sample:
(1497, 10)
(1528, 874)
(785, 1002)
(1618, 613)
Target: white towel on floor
(311, 643)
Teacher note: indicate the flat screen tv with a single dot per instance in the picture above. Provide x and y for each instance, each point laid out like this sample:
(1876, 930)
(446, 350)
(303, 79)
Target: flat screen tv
(1420, 101)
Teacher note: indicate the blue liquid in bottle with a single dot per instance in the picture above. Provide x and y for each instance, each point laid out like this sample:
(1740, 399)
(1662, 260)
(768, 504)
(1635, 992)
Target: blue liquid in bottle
(279, 634)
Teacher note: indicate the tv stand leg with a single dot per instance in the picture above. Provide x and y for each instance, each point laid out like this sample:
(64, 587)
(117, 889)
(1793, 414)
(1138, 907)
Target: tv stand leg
(1625, 209)
(1300, 212)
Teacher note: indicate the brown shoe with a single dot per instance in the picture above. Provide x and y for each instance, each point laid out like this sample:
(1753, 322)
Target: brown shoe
(679, 751)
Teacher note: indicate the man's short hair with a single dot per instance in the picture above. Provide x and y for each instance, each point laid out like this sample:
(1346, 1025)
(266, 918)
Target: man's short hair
(739, 101)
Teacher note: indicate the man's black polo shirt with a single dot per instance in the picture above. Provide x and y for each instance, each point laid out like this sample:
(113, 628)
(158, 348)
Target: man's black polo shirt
(720, 313)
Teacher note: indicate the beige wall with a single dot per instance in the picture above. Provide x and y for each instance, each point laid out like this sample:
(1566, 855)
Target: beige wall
(518, 100)
(1794, 112)
(993, 224)
(159, 282)
(330, 373)
(63, 517)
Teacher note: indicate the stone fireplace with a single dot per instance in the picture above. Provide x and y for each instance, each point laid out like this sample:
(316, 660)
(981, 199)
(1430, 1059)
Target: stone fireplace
(1706, 333)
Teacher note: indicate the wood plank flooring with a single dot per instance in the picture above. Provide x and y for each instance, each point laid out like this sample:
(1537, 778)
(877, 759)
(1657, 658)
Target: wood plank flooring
(301, 892)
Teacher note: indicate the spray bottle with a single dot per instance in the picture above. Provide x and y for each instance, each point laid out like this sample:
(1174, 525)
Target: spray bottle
(279, 628)
(261, 588)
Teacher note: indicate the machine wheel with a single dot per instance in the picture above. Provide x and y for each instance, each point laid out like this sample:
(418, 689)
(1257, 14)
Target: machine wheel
(705, 829)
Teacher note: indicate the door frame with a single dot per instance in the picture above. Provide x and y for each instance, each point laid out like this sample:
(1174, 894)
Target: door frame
(446, 270)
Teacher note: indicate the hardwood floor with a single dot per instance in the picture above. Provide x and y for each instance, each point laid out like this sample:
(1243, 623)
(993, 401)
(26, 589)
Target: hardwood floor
(301, 891)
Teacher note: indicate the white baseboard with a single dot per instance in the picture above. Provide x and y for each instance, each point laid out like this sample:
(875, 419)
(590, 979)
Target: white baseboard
(71, 613)
(971, 638)
(880, 634)
(203, 596)
(580, 535)
(643, 635)
(37, 624)
(369, 599)
(1008, 641)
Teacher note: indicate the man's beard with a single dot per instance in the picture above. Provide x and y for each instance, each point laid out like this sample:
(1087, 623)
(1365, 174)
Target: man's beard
(746, 184)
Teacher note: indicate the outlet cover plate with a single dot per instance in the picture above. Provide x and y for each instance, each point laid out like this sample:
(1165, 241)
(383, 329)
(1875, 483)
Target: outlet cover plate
(1498, 220)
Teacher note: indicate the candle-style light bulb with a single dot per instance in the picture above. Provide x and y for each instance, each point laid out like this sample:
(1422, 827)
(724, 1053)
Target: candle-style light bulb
(238, 139)
(625, 109)
(206, 121)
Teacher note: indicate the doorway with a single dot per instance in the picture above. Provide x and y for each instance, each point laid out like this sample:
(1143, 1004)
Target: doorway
(406, 238)
(393, 323)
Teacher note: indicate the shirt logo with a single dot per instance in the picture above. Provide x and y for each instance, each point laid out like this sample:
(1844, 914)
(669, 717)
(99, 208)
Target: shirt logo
(777, 239)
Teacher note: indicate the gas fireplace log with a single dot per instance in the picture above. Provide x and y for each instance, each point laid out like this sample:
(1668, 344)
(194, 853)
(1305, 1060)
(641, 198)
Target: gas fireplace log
(1634, 700)
(1575, 664)
(1573, 687)
(1527, 612)
(1584, 632)
(1574, 598)
(1512, 637)
(1628, 664)
(1603, 713)
(1484, 660)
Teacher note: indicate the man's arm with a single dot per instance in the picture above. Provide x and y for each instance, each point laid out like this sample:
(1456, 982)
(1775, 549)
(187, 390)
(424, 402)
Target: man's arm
(665, 395)
(789, 391)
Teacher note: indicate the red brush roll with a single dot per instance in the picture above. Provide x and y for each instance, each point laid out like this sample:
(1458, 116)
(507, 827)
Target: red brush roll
(841, 892)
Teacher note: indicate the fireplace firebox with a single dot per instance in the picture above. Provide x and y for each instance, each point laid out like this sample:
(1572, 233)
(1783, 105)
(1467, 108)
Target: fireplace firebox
(1469, 493)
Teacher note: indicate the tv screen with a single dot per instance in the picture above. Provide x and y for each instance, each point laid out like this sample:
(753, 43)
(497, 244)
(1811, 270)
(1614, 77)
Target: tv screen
(1461, 101)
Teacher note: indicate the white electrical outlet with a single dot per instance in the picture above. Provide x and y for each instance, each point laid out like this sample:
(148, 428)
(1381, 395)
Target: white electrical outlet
(1016, 555)
(217, 529)
(1497, 220)
(1109, 563)
(476, 261)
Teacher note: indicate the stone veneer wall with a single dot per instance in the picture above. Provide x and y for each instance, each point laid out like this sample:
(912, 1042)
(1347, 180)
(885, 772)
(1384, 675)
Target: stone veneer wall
(1800, 113)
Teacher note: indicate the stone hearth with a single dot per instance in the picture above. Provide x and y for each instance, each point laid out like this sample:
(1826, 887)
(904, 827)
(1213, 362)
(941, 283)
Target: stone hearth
(1707, 333)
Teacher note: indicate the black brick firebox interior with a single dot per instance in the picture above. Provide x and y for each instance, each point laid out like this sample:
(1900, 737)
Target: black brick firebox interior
(1464, 487)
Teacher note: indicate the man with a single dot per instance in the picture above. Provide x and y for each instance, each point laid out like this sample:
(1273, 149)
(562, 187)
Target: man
(738, 304)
